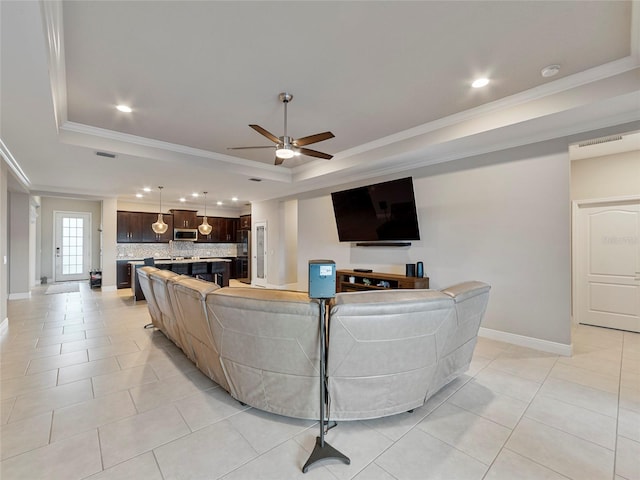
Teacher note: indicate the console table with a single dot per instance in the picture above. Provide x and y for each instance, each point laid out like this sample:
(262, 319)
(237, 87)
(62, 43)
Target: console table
(377, 281)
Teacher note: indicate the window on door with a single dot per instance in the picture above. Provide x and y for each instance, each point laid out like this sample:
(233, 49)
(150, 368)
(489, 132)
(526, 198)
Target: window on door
(72, 251)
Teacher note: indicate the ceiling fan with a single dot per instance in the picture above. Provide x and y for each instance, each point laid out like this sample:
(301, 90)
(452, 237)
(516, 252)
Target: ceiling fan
(287, 147)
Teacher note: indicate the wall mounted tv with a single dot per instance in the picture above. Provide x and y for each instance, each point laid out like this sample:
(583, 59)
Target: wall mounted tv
(381, 212)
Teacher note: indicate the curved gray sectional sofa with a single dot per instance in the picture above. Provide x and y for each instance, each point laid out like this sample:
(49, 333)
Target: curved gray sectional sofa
(387, 351)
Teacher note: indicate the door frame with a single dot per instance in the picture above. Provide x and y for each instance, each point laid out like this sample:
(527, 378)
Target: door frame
(87, 253)
(576, 205)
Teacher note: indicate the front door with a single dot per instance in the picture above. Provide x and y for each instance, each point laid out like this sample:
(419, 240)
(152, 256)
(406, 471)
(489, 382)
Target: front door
(608, 265)
(72, 255)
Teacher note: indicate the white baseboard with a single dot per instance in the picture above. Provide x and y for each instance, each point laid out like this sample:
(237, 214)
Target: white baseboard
(19, 296)
(529, 342)
(4, 325)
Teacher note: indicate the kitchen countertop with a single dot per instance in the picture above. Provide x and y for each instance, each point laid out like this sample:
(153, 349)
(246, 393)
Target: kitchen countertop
(167, 261)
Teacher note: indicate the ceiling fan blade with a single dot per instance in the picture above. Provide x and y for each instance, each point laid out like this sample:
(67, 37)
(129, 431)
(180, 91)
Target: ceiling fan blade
(279, 161)
(318, 137)
(247, 148)
(264, 132)
(314, 153)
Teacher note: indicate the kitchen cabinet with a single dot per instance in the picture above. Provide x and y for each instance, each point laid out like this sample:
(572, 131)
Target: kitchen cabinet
(149, 236)
(135, 227)
(245, 222)
(184, 218)
(223, 230)
(205, 238)
(129, 227)
(123, 274)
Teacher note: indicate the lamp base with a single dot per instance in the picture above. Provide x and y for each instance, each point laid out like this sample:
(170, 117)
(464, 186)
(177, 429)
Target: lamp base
(323, 450)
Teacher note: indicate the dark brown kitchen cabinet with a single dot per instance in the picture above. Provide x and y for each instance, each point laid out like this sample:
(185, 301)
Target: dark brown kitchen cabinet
(205, 238)
(129, 227)
(231, 227)
(123, 274)
(135, 227)
(245, 222)
(223, 230)
(184, 218)
(149, 236)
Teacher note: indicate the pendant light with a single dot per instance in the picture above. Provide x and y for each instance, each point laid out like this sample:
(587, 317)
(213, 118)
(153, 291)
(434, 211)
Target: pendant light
(205, 228)
(160, 227)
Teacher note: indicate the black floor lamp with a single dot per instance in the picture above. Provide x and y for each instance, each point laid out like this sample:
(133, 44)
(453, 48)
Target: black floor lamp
(322, 286)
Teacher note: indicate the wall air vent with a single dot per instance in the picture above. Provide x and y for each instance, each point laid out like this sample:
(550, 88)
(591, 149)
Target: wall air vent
(598, 141)
(106, 154)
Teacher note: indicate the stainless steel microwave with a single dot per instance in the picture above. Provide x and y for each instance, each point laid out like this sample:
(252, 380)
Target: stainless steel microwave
(185, 234)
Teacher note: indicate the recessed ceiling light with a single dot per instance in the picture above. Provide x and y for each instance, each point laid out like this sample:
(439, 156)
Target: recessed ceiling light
(480, 82)
(146, 189)
(234, 199)
(194, 194)
(218, 202)
(139, 195)
(182, 199)
(550, 71)
(124, 108)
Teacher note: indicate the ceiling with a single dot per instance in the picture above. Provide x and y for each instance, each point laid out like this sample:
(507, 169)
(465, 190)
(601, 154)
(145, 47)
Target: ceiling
(391, 80)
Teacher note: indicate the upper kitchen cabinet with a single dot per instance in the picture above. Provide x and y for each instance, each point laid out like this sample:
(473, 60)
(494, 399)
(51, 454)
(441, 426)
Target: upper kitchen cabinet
(129, 227)
(245, 222)
(223, 230)
(184, 218)
(135, 227)
(149, 236)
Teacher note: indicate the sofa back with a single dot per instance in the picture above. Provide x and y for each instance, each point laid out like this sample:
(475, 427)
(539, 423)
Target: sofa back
(188, 296)
(384, 347)
(159, 279)
(145, 284)
(470, 299)
(269, 347)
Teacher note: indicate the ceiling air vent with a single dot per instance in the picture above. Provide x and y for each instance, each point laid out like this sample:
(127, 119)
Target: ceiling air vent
(106, 154)
(598, 141)
(255, 179)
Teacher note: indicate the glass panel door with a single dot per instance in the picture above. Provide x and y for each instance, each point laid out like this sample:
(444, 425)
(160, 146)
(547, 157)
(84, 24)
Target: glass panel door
(72, 246)
(260, 256)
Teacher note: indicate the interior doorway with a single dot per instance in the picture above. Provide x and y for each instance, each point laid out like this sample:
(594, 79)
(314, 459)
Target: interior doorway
(607, 263)
(72, 246)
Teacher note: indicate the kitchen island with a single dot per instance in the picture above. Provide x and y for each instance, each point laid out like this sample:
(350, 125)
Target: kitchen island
(215, 270)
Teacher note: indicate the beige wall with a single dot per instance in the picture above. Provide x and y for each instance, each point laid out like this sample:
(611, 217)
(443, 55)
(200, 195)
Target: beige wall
(505, 221)
(4, 239)
(610, 176)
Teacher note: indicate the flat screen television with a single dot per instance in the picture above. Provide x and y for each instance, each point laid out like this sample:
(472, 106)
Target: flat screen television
(381, 212)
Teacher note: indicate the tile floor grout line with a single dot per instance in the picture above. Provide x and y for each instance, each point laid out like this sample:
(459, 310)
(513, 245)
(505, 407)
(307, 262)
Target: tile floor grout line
(615, 449)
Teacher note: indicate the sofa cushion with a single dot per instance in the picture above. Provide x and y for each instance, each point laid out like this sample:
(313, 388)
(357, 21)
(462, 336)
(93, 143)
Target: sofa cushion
(269, 347)
(384, 348)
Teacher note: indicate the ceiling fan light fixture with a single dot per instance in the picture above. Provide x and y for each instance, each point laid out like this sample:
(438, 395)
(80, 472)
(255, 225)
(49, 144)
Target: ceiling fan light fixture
(284, 152)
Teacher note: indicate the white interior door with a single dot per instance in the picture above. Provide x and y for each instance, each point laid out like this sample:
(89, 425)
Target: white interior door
(260, 254)
(72, 254)
(608, 265)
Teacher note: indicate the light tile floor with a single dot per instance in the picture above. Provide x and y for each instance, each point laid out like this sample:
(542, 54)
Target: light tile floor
(86, 392)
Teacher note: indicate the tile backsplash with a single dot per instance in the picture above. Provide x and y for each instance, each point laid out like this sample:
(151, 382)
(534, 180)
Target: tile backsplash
(180, 249)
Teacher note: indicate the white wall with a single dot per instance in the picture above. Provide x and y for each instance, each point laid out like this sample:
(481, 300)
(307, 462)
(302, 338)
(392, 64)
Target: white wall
(4, 239)
(109, 239)
(609, 176)
(19, 231)
(505, 221)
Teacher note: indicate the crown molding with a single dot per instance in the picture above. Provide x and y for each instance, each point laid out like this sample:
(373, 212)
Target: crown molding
(52, 25)
(14, 166)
